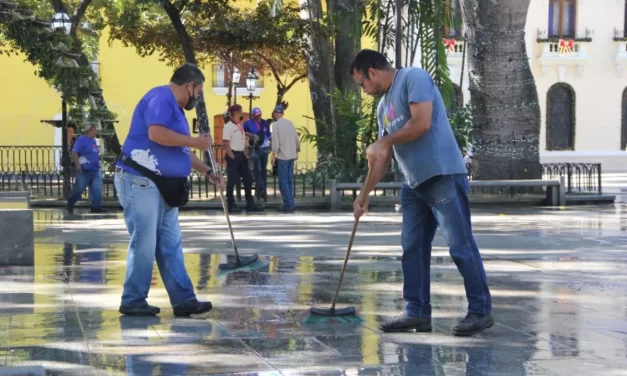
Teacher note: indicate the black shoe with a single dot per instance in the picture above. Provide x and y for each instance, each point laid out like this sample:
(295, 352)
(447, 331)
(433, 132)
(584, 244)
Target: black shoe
(145, 310)
(192, 308)
(70, 208)
(472, 324)
(253, 209)
(285, 210)
(99, 210)
(405, 323)
(234, 210)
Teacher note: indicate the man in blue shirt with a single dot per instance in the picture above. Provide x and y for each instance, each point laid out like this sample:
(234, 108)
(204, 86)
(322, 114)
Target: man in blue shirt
(258, 131)
(412, 116)
(86, 157)
(159, 140)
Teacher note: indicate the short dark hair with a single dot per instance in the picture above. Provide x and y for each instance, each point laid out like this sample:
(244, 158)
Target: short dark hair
(366, 59)
(187, 73)
(234, 108)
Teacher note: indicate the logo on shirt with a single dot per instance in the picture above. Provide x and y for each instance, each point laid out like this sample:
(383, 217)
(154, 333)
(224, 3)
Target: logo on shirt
(389, 120)
(389, 114)
(144, 158)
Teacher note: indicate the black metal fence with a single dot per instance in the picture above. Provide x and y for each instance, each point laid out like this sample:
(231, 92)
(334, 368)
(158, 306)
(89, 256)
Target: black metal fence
(30, 158)
(37, 169)
(579, 177)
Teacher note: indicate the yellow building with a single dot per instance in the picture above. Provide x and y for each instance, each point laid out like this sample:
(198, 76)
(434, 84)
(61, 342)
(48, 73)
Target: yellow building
(125, 77)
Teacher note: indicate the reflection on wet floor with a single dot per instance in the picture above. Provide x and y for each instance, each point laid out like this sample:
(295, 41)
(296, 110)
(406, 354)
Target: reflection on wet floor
(558, 281)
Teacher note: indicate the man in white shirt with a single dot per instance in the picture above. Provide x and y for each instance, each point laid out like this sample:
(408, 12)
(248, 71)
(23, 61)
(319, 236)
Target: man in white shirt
(234, 139)
(285, 149)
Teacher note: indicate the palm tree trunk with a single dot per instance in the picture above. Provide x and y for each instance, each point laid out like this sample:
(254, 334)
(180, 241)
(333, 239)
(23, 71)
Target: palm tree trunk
(503, 91)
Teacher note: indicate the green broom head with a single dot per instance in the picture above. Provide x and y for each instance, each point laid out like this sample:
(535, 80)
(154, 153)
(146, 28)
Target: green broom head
(258, 265)
(327, 316)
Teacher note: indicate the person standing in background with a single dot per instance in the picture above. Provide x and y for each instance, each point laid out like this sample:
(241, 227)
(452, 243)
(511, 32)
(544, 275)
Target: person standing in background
(285, 149)
(86, 157)
(258, 131)
(234, 139)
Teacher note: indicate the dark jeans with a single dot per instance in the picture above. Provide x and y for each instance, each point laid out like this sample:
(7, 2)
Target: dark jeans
(91, 179)
(237, 169)
(286, 182)
(260, 166)
(443, 201)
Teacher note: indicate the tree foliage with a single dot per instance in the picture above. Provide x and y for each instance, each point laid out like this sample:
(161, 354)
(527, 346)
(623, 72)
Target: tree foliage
(62, 60)
(218, 33)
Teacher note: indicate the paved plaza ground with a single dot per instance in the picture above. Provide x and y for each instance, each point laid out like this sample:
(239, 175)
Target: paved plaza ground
(558, 279)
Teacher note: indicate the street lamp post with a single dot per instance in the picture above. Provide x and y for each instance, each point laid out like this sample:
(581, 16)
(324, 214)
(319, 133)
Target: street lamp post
(251, 85)
(236, 77)
(62, 21)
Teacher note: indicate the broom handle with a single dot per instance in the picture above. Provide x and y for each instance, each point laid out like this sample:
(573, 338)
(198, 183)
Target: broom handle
(348, 250)
(226, 212)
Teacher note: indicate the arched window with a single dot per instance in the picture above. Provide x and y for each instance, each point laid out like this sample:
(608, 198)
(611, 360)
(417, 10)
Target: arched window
(562, 18)
(623, 128)
(560, 117)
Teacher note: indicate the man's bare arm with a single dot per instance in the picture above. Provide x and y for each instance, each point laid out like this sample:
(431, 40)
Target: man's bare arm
(167, 137)
(415, 127)
(199, 165)
(377, 170)
(227, 149)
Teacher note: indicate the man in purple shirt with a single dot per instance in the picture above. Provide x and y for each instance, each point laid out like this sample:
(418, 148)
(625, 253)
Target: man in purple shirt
(258, 131)
(86, 159)
(160, 141)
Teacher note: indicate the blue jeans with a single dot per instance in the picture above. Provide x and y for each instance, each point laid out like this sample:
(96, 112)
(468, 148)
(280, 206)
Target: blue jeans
(443, 201)
(286, 181)
(91, 179)
(155, 234)
(260, 166)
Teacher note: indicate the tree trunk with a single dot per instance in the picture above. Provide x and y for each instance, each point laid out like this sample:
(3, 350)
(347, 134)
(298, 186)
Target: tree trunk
(190, 57)
(347, 44)
(320, 75)
(503, 91)
(108, 133)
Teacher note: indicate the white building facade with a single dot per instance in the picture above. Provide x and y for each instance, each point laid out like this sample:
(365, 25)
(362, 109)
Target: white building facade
(578, 55)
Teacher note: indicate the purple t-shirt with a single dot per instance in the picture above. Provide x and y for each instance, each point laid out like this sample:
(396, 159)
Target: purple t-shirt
(88, 154)
(158, 107)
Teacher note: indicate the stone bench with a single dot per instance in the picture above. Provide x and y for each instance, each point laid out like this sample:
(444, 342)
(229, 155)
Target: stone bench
(17, 232)
(555, 189)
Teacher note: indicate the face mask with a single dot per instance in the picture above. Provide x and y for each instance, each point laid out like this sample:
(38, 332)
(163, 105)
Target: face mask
(191, 102)
(241, 117)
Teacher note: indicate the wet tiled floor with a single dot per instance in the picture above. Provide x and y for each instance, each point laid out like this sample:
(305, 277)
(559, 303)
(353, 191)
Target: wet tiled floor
(558, 279)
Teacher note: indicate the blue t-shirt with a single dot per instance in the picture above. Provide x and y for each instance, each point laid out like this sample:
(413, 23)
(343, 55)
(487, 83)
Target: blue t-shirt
(259, 128)
(435, 152)
(88, 153)
(158, 107)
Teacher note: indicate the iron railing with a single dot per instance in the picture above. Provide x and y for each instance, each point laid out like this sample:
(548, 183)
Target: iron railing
(579, 177)
(38, 169)
(30, 158)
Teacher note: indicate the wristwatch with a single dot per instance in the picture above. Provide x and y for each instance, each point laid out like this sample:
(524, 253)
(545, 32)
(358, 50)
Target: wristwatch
(209, 171)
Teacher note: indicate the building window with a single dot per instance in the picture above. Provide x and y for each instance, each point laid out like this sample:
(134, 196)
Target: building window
(219, 79)
(454, 23)
(623, 130)
(560, 118)
(562, 18)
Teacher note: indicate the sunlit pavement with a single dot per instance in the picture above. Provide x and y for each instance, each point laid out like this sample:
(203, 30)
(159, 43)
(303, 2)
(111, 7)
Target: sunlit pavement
(558, 279)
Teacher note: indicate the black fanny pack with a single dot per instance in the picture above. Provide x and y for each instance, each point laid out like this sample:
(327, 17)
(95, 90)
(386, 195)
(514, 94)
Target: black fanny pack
(175, 191)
